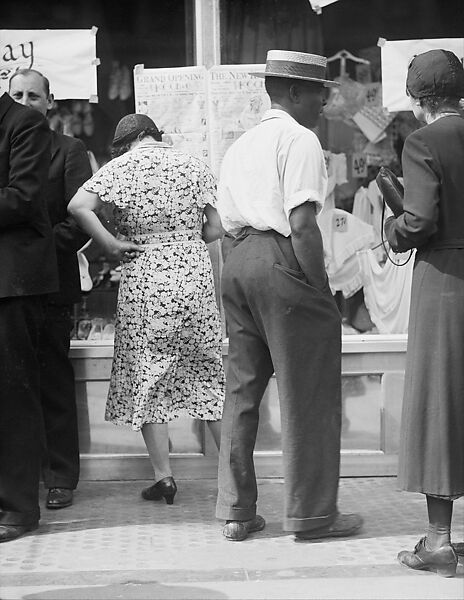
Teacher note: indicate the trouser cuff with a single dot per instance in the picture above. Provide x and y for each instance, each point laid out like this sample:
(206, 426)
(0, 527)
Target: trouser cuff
(60, 483)
(309, 523)
(8, 517)
(227, 513)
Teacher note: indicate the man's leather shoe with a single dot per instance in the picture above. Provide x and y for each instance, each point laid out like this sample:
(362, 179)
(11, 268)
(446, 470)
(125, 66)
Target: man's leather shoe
(459, 548)
(442, 561)
(59, 498)
(11, 532)
(343, 526)
(237, 531)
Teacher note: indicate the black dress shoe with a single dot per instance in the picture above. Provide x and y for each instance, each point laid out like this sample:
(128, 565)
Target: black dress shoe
(442, 561)
(165, 488)
(11, 532)
(59, 498)
(344, 525)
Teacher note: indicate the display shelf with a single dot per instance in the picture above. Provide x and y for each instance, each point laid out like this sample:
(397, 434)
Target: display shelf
(372, 389)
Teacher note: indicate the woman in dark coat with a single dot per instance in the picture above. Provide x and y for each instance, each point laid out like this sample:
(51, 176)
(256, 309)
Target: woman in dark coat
(432, 437)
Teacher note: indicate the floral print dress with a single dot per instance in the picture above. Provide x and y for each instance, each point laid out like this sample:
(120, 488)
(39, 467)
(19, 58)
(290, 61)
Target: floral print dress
(168, 343)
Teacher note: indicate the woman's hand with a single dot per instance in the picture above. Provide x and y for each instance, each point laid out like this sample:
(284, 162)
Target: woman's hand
(84, 207)
(120, 250)
(212, 226)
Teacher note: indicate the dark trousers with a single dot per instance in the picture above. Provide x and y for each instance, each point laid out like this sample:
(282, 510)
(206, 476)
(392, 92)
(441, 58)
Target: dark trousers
(20, 413)
(280, 323)
(58, 400)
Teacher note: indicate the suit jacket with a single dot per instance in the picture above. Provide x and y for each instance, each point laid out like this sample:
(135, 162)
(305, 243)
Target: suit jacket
(27, 253)
(69, 169)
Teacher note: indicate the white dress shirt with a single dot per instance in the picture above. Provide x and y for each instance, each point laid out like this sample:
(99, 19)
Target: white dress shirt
(271, 169)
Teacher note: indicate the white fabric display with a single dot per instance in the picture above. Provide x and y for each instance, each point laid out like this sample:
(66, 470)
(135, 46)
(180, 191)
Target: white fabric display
(348, 279)
(343, 236)
(336, 173)
(367, 206)
(387, 291)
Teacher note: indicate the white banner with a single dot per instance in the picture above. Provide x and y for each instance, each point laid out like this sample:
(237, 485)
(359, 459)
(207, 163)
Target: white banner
(175, 99)
(396, 56)
(67, 57)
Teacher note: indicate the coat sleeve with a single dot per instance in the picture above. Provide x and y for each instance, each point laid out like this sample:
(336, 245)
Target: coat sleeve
(422, 178)
(29, 161)
(69, 237)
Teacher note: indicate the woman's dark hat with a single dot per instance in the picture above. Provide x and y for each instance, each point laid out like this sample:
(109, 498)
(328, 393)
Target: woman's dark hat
(130, 126)
(297, 65)
(435, 73)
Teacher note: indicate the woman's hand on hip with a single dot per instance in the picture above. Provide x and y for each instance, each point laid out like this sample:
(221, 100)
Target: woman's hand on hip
(123, 251)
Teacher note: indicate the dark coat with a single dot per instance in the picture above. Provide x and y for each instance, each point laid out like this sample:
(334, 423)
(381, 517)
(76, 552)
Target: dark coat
(432, 428)
(69, 169)
(27, 253)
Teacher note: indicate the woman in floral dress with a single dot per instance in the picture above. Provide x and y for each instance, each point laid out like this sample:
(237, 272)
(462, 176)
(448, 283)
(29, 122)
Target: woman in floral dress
(168, 346)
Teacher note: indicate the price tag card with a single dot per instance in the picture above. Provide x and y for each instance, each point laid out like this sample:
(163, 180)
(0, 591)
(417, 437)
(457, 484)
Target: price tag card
(359, 165)
(340, 223)
(374, 94)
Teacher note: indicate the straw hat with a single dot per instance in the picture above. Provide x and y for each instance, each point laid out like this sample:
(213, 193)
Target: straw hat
(297, 65)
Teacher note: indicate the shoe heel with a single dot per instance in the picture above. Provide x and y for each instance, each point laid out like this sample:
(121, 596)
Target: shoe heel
(447, 570)
(169, 498)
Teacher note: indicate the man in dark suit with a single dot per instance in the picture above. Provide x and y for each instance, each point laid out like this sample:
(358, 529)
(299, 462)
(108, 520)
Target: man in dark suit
(28, 272)
(69, 168)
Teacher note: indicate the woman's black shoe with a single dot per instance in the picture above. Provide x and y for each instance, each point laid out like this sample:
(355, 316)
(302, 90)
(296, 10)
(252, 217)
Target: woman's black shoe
(165, 488)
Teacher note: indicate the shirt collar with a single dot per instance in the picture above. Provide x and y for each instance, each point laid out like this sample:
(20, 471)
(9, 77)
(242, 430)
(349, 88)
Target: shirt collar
(277, 113)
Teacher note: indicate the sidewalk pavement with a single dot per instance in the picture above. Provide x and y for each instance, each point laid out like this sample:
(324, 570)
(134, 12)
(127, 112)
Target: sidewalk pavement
(112, 544)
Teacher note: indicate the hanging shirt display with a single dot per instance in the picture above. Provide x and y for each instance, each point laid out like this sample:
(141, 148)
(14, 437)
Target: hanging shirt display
(336, 173)
(367, 206)
(343, 236)
(387, 291)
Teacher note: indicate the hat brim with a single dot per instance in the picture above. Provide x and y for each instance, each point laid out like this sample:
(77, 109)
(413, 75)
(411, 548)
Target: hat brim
(326, 82)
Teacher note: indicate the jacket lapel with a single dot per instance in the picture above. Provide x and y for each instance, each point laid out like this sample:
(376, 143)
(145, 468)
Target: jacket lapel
(54, 147)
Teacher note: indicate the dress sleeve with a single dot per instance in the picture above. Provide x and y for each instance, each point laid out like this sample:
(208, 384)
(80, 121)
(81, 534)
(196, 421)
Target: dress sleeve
(207, 186)
(303, 173)
(421, 198)
(104, 183)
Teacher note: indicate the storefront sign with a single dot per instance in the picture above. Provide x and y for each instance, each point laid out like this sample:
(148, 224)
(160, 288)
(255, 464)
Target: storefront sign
(176, 101)
(202, 112)
(396, 56)
(236, 102)
(67, 57)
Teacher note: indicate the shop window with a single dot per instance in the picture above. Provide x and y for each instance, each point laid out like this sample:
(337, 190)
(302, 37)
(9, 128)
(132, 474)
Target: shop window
(249, 28)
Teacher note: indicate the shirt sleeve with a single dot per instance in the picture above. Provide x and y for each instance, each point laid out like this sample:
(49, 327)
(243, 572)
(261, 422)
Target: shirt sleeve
(421, 197)
(304, 174)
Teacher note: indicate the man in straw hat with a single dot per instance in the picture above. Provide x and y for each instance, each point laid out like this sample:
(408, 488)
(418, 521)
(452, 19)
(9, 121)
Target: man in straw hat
(280, 312)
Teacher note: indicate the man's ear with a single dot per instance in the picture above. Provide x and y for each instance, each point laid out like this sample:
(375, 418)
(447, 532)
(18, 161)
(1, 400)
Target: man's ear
(294, 93)
(50, 101)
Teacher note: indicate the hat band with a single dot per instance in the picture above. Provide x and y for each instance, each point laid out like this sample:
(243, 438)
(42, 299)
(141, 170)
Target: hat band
(292, 69)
